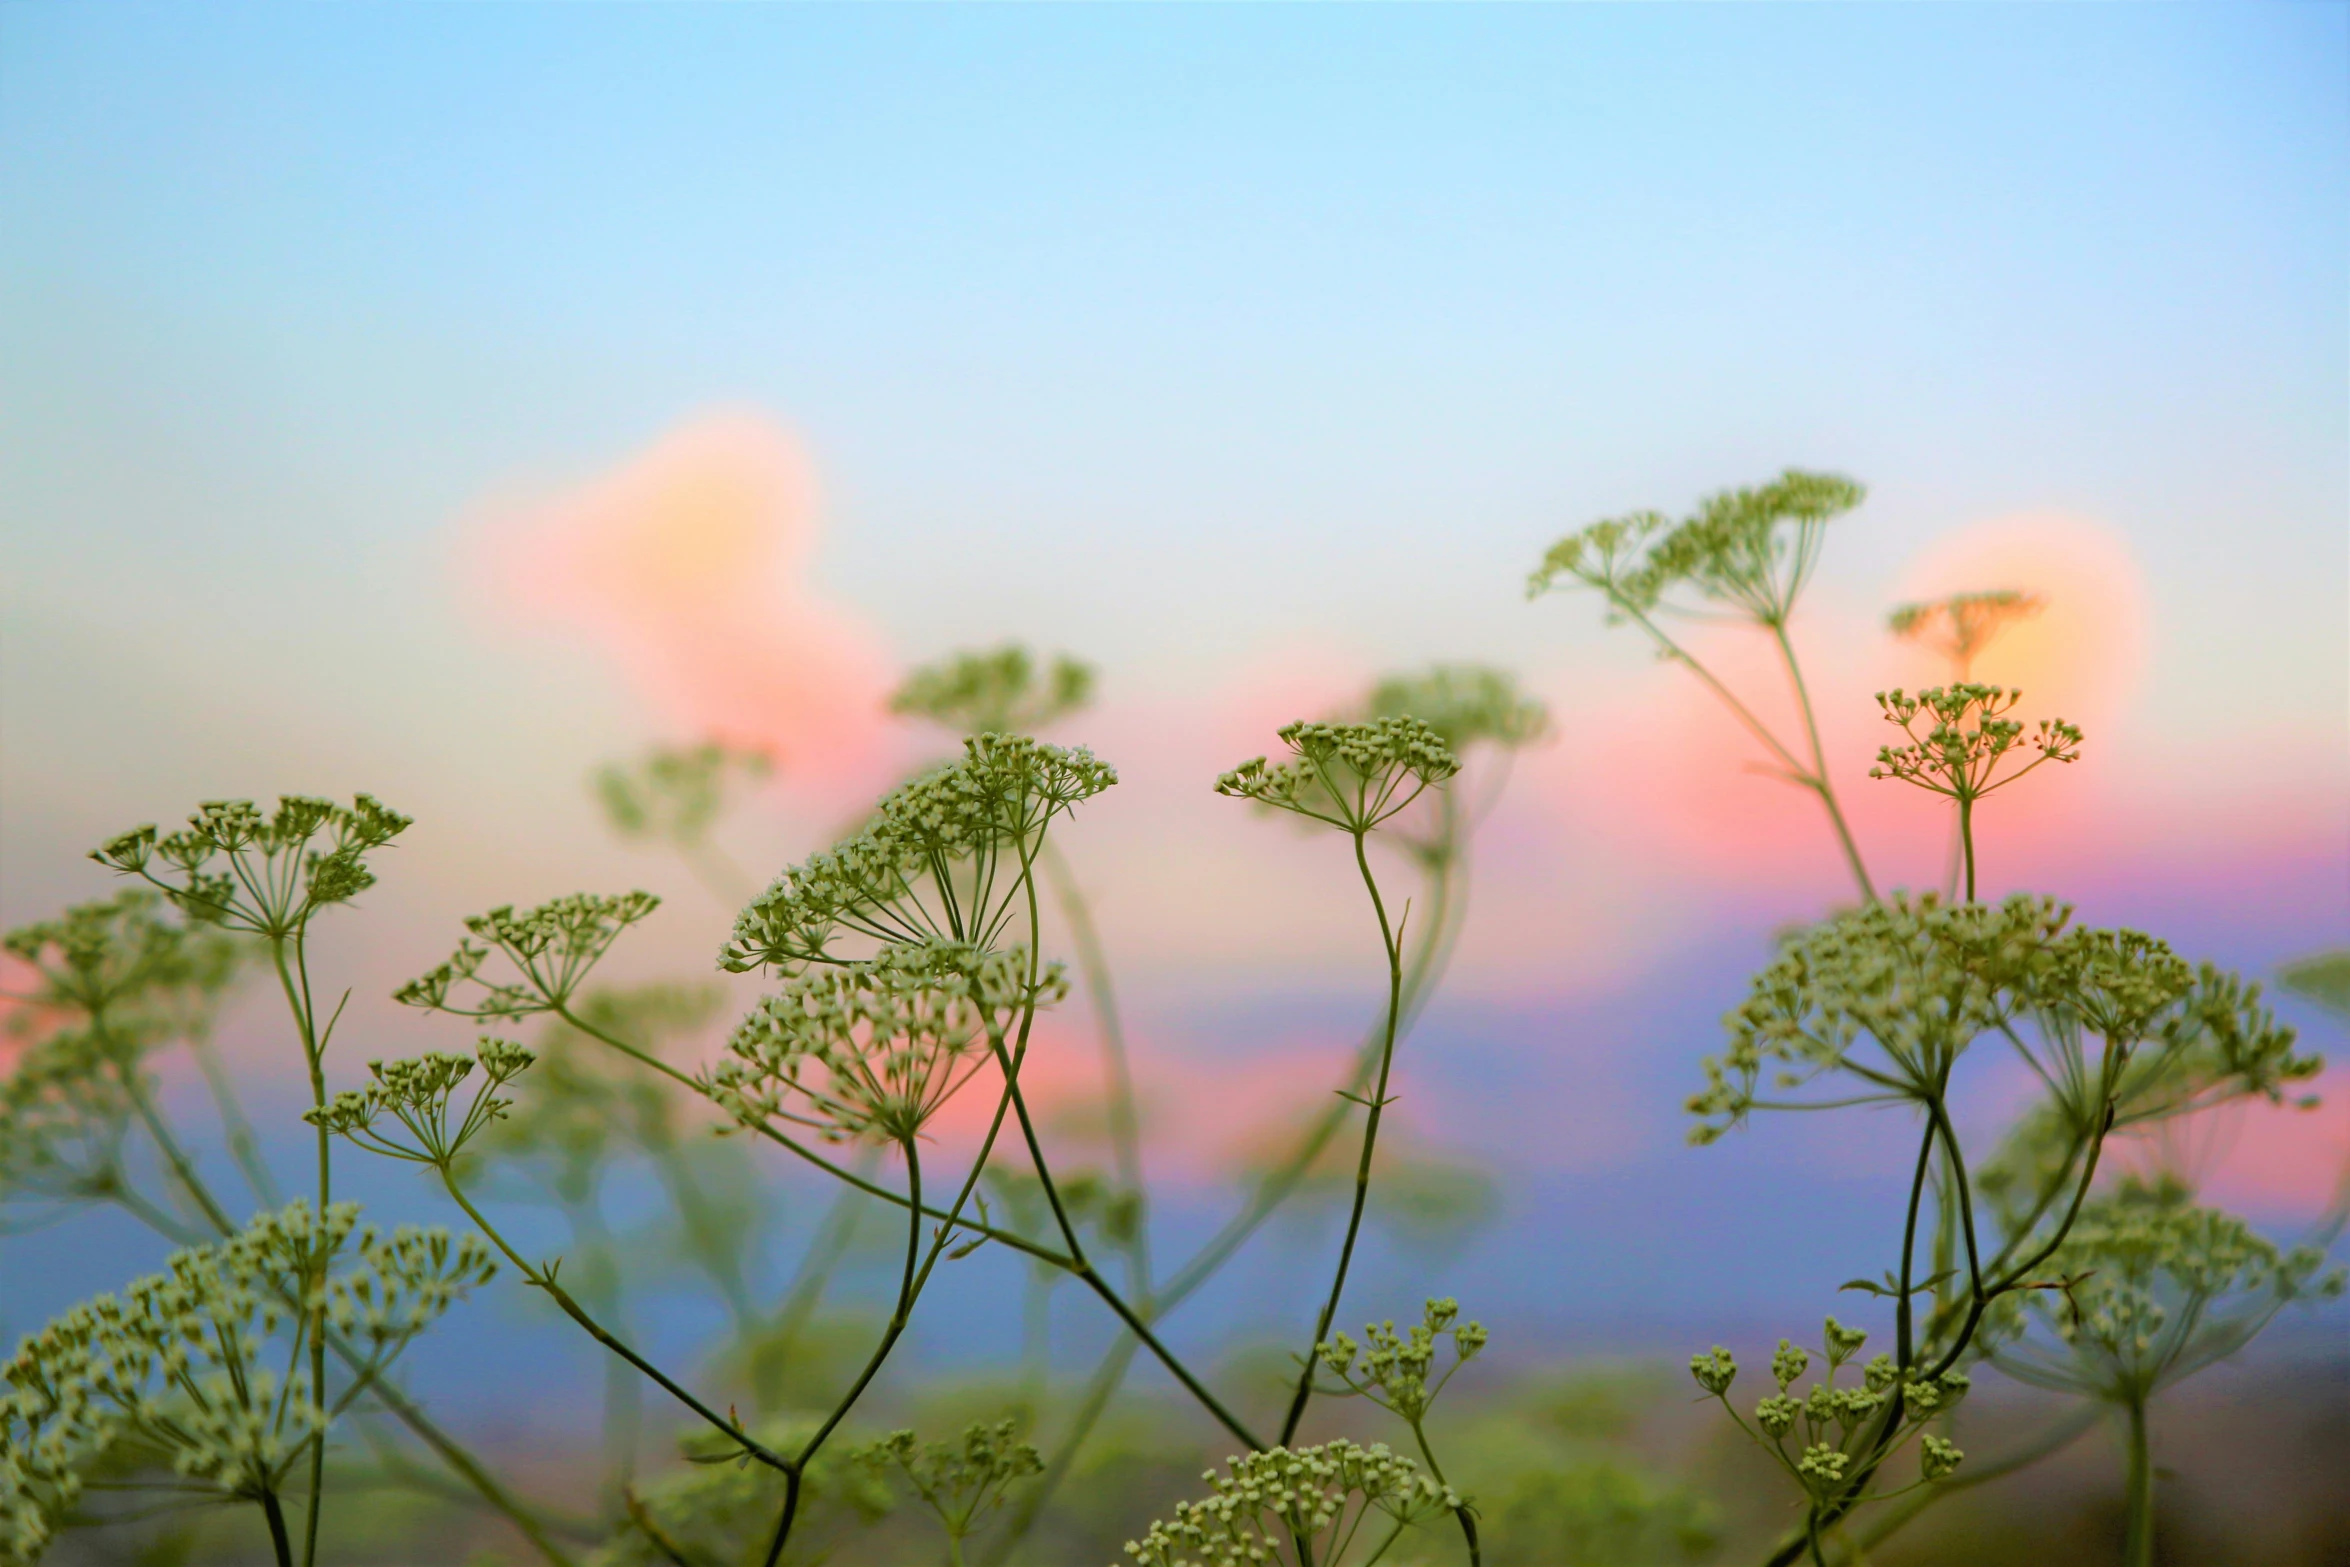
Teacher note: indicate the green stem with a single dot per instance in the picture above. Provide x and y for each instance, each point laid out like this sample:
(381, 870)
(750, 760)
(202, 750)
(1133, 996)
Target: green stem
(1377, 1106)
(1429, 959)
(1468, 1520)
(1117, 1070)
(1966, 839)
(244, 1147)
(1819, 765)
(277, 1529)
(305, 1022)
(2138, 1542)
(545, 1280)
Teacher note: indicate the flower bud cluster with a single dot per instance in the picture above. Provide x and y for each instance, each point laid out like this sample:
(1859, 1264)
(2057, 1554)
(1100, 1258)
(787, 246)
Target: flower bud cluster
(1001, 691)
(2150, 1287)
(674, 793)
(960, 1480)
(875, 1048)
(1913, 982)
(1962, 625)
(1265, 1501)
(65, 1107)
(1833, 1426)
(551, 950)
(182, 1360)
(950, 827)
(1916, 978)
(1353, 776)
(419, 1094)
(282, 867)
(1752, 549)
(1968, 735)
(1465, 704)
(1393, 1370)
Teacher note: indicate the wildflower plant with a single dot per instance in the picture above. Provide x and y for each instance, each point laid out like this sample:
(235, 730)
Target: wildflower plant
(2150, 1289)
(1745, 556)
(1005, 690)
(1334, 1505)
(197, 1364)
(1823, 1437)
(947, 857)
(963, 1482)
(875, 1050)
(906, 966)
(1958, 626)
(1969, 748)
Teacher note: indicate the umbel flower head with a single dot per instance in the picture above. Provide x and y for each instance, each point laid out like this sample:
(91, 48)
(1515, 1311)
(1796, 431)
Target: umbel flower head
(1345, 1502)
(1968, 737)
(234, 866)
(1352, 776)
(1001, 691)
(674, 793)
(549, 950)
(873, 1049)
(1748, 551)
(2151, 1288)
(942, 860)
(959, 1481)
(1961, 625)
(420, 1096)
(1465, 704)
(1819, 1437)
(185, 1363)
(1890, 995)
(1397, 1371)
(65, 1109)
(102, 956)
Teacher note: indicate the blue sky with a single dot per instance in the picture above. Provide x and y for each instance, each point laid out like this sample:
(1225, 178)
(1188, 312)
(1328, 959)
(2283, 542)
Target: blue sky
(1177, 336)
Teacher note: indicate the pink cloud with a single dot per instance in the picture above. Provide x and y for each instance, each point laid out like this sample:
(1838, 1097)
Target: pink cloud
(687, 566)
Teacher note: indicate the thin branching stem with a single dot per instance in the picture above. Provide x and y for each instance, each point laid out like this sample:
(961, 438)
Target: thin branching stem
(1376, 1106)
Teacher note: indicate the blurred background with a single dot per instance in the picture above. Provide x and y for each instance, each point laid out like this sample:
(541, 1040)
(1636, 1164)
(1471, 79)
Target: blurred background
(446, 402)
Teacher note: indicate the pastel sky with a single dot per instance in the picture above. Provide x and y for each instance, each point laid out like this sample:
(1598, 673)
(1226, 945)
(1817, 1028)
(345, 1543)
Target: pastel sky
(442, 400)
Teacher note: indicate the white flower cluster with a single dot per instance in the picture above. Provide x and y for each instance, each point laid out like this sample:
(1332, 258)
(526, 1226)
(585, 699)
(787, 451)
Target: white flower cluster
(876, 1047)
(951, 829)
(2155, 1287)
(552, 948)
(1353, 776)
(304, 856)
(1271, 1500)
(178, 1363)
(1001, 691)
(1395, 1369)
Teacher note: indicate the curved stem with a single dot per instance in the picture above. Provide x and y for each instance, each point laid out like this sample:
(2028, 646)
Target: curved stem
(909, 1284)
(1377, 1106)
(1431, 952)
(1467, 1519)
(1117, 1070)
(545, 1280)
(870, 1188)
(278, 1541)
